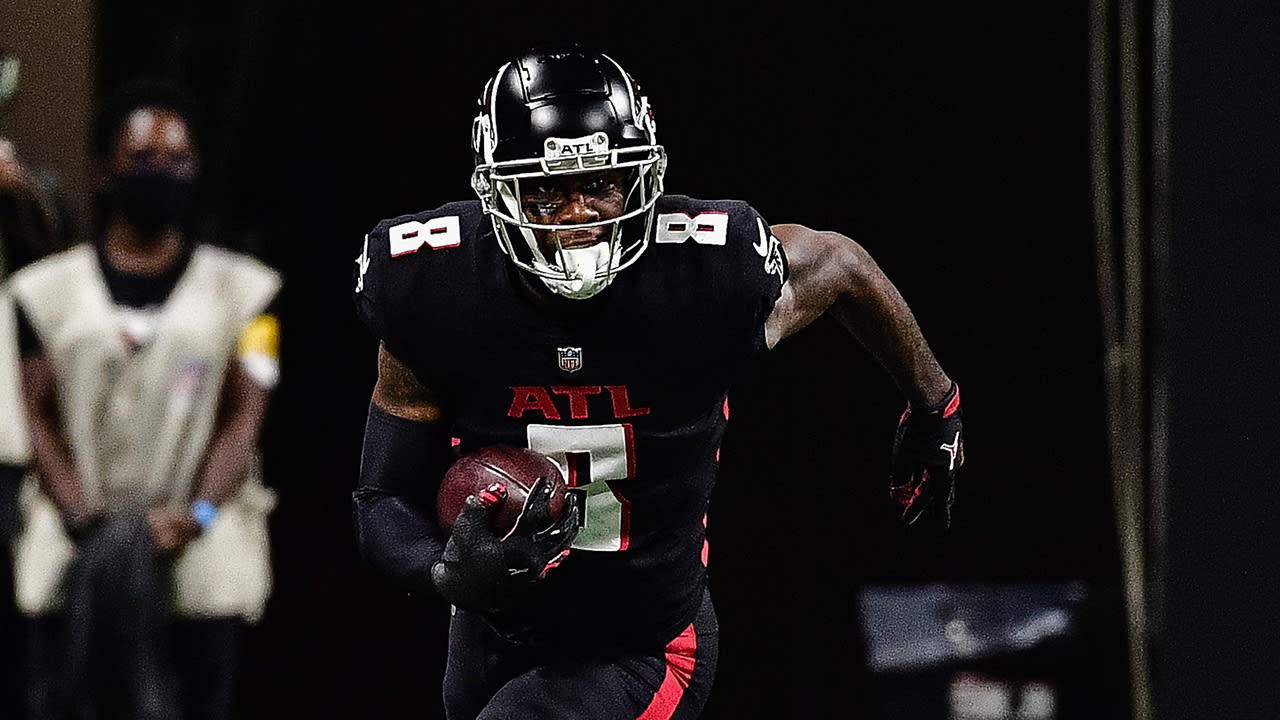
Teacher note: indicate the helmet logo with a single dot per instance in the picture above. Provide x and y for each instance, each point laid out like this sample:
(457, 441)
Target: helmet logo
(482, 137)
(557, 148)
(569, 358)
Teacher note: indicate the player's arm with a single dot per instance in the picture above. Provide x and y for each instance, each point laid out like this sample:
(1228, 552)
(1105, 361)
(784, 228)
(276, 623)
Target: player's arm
(406, 451)
(399, 392)
(830, 273)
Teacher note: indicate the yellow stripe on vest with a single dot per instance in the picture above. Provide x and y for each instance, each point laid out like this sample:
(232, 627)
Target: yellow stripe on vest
(260, 337)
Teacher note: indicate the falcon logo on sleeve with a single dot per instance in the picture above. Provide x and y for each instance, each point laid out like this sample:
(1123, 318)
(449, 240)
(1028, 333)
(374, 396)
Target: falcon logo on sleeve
(362, 262)
(770, 249)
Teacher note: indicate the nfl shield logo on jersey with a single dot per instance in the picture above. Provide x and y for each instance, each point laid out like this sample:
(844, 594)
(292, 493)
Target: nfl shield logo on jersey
(570, 358)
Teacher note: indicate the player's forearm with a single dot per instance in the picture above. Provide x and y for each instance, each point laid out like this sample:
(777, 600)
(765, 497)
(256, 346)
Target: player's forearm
(876, 313)
(396, 539)
(393, 505)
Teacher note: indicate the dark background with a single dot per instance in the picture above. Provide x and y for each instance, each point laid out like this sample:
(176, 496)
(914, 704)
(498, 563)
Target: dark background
(950, 141)
(1220, 654)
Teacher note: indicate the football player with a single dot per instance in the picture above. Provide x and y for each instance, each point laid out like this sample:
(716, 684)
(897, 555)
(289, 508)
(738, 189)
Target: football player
(578, 309)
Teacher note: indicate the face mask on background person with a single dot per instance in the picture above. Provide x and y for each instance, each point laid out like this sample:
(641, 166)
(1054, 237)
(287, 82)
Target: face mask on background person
(153, 200)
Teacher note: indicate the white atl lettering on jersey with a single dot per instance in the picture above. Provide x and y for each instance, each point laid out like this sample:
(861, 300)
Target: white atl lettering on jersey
(436, 233)
(706, 228)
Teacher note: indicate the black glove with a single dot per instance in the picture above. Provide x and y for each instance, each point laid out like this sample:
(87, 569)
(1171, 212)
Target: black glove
(928, 450)
(480, 571)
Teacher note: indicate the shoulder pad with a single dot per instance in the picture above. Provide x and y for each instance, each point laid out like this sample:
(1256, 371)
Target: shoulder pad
(438, 229)
(732, 223)
(398, 252)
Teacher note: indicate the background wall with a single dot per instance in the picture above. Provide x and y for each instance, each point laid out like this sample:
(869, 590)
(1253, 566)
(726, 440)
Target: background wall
(951, 141)
(48, 119)
(1219, 649)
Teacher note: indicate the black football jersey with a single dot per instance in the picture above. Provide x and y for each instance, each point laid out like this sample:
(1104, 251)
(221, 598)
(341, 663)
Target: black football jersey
(626, 390)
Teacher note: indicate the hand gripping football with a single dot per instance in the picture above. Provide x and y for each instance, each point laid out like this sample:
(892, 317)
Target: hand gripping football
(514, 469)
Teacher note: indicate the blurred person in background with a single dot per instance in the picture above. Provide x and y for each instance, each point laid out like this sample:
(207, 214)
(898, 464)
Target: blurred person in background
(35, 220)
(147, 362)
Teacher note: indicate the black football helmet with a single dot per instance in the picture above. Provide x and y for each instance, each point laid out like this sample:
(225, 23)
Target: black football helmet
(560, 111)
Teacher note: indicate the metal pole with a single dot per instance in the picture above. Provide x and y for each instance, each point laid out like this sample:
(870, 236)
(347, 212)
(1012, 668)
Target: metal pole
(1121, 296)
(1158, 468)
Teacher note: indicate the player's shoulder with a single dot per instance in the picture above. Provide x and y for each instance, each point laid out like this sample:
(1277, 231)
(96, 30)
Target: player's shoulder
(707, 222)
(408, 257)
(402, 248)
(464, 210)
(686, 205)
(730, 233)
(441, 228)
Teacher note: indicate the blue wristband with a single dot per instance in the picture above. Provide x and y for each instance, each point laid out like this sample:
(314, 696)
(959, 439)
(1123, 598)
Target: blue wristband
(204, 513)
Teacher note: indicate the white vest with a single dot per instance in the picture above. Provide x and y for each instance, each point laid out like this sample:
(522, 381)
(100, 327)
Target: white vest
(139, 421)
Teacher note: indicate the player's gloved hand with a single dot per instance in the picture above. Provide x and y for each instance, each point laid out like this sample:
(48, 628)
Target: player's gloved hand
(928, 450)
(480, 570)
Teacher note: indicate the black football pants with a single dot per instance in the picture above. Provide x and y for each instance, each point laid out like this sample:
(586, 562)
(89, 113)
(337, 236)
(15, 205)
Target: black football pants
(489, 678)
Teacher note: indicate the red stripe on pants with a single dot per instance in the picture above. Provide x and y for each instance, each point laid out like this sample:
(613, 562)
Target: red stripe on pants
(681, 655)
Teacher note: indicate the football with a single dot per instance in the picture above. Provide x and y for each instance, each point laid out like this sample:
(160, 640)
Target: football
(515, 468)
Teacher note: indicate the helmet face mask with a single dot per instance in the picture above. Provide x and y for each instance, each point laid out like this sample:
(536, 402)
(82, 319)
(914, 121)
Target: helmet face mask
(566, 113)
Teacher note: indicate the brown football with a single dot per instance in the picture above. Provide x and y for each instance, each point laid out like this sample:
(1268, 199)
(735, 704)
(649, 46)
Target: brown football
(516, 468)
